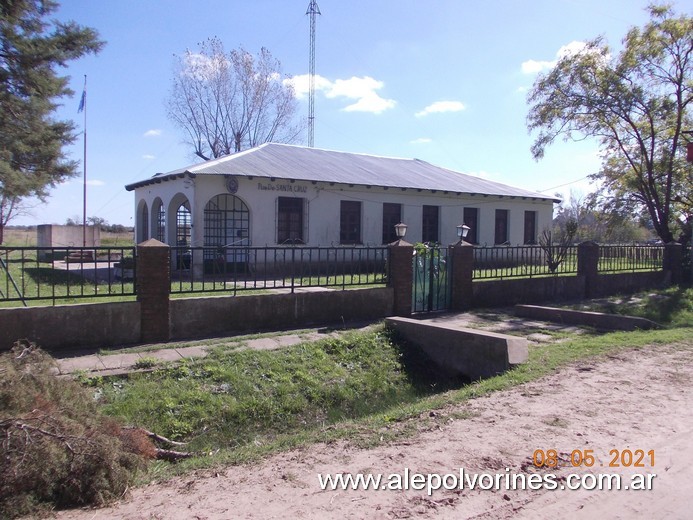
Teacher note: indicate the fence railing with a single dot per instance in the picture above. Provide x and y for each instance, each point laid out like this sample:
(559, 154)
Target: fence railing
(65, 273)
(523, 261)
(629, 258)
(247, 268)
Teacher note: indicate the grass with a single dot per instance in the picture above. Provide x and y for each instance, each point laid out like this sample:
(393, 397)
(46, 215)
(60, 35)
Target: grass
(232, 397)
(27, 237)
(672, 307)
(367, 388)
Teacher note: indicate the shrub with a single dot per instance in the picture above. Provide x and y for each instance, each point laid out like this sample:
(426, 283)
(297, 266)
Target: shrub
(58, 450)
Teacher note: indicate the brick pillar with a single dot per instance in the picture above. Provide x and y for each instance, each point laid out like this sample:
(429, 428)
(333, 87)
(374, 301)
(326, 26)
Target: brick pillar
(400, 276)
(588, 266)
(153, 273)
(462, 257)
(673, 261)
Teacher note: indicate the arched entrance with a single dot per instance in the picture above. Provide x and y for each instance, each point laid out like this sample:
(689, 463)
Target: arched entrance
(142, 222)
(183, 235)
(227, 227)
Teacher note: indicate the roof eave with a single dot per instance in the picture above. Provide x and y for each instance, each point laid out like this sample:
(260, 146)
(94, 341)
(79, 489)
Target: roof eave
(158, 180)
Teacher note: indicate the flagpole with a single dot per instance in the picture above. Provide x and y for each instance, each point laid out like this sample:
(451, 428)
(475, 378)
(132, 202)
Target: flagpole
(83, 106)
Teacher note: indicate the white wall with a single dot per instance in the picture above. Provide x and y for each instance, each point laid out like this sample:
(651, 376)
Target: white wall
(323, 205)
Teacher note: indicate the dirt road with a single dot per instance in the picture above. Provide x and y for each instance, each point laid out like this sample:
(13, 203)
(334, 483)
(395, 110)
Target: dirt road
(640, 399)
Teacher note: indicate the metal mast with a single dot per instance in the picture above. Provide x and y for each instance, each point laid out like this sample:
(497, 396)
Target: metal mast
(313, 10)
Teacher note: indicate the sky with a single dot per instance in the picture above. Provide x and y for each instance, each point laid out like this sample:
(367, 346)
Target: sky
(444, 81)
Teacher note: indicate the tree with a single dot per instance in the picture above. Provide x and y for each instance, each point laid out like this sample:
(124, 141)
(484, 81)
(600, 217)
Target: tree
(31, 140)
(636, 104)
(597, 225)
(227, 102)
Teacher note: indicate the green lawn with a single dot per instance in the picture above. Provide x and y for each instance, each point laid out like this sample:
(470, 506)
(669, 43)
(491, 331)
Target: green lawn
(364, 387)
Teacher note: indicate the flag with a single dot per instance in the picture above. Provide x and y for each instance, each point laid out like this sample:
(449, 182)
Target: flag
(83, 100)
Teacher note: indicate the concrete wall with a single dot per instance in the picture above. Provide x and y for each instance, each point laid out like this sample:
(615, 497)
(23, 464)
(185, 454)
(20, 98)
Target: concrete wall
(51, 235)
(216, 316)
(608, 284)
(67, 327)
(498, 293)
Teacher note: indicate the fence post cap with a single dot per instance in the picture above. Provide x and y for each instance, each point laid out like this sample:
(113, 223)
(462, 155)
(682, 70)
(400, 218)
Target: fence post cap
(399, 243)
(462, 243)
(152, 242)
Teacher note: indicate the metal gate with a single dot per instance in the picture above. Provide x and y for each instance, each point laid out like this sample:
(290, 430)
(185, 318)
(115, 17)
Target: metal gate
(431, 287)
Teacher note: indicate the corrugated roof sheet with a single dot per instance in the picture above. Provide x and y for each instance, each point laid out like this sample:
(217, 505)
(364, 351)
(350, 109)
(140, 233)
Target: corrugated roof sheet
(281, 161)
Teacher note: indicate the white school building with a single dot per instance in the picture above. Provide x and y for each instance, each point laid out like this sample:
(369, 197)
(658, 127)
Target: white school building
(277, 194)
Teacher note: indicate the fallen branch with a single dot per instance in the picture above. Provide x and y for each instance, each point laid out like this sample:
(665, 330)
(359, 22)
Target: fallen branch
(172, 455)
(156, 437)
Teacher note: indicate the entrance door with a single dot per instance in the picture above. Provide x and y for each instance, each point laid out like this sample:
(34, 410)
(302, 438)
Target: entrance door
(431, 280)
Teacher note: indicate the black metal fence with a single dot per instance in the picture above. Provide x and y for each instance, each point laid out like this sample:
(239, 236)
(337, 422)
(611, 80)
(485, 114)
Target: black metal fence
(61, 275)
(630, 258)
(64, 274)
(499, 262)
(246, 268)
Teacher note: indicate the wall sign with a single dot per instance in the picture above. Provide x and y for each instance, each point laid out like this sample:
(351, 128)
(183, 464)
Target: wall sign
(286, 187)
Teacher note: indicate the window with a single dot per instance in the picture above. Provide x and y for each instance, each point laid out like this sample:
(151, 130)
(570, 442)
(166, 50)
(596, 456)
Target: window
(350, 222)
(227, 222)
(501, 226)
(290, 220)
(392, 215)
(530, 227)
(471, 218)
(429, 225)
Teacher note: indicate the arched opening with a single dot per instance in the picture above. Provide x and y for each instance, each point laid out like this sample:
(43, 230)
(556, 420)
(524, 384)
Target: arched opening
(183, 236)
(142, 222)
(158, 220)
(227, 227)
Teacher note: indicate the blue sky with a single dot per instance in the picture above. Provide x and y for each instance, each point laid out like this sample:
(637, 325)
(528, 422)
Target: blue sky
(444, 81)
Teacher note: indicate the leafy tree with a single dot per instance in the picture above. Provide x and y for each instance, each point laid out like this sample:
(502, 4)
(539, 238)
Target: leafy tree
(227, 102)
(637, 104)
(31, 140)
(595, 224)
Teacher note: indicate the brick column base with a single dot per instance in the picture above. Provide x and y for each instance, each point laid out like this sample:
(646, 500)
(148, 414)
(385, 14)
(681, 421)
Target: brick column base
(153, 282)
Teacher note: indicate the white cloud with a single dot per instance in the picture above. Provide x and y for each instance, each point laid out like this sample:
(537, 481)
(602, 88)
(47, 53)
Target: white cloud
(534, 66)
(363, 90)
(440, 107)
(573, 48)
(154, 132)
(95, 182)
(421, 140)
(148, 157)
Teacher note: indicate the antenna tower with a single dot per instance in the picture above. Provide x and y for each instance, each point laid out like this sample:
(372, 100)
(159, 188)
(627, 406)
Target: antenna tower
(313, 10)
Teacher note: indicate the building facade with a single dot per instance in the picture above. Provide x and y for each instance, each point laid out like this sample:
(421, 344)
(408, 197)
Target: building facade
(283, 195)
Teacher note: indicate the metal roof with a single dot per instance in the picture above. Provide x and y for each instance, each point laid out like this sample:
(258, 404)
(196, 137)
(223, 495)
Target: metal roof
(299, 163)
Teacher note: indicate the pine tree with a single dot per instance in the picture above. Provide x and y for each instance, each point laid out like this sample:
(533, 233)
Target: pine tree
(32, 47)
